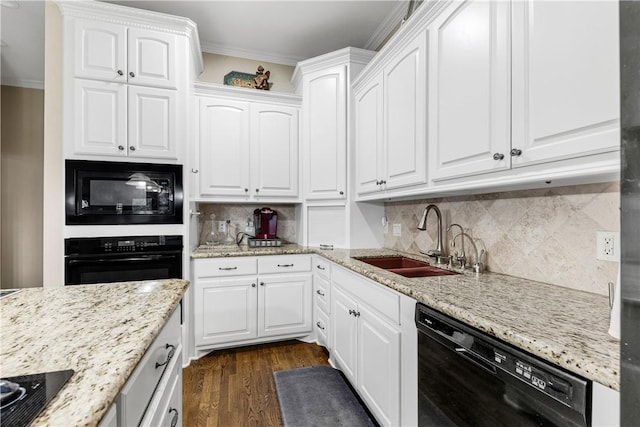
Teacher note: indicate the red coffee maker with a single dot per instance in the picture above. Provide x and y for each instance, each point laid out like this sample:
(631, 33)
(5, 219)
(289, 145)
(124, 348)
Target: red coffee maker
(265, 221)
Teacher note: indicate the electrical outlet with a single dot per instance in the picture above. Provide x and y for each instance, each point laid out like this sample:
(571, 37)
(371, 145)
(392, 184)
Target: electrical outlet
(397, 230)
(608, 246)
(222, 226)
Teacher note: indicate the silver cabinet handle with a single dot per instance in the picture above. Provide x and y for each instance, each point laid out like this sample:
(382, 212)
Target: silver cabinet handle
(320, 293)
(172, 351)
(176, 415)
(319, 325)
(227, 268)
(132, 74)
(323, 246)
(120, 73)
(261, 283)
(257, 190)
(319, 267)
(342, 193)
(285, 265)
(498, 156)
(121, 147)
(132, 148)
(357, 314)
(516, 152)
(383, 182)
(253, 285)
(352, 312)
(194, 170)
(246, 190)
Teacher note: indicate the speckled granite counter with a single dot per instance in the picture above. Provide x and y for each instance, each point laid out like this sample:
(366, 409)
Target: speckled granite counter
(99, 331)
(228, 251)
(561, 325)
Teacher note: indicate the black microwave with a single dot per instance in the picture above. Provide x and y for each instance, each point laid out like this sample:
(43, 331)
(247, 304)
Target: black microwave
(122, 193)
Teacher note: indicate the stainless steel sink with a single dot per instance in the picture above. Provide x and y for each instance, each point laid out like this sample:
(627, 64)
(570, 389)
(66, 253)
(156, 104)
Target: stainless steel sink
(406, 267)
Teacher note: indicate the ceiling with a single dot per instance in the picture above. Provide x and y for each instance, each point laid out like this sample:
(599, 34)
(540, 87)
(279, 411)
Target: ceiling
(282, 32)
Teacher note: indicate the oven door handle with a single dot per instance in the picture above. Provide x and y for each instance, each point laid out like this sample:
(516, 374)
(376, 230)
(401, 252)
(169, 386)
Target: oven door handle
(127, 259)
(476, 359)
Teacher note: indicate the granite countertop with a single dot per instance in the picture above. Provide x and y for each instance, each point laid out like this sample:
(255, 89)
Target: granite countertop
(235, 250)
(564, 326)
(100, 331)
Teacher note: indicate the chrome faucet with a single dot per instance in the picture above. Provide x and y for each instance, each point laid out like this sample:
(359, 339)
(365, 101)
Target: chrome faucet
(422, 225)
(477, 266)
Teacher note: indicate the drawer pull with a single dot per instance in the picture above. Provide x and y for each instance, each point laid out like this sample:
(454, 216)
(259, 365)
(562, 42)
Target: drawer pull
(319, 292)
(319, 267)
(319, 325)
(172, 351)
(285, 265)
(176, 415)
(227, 268)
(326, 247)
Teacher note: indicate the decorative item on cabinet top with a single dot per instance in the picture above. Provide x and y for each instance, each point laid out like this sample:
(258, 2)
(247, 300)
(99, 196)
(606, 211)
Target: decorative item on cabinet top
(259, 80)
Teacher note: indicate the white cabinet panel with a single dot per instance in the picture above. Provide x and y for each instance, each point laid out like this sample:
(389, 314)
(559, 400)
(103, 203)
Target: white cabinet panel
(152, 122)
(469, 89)
(151, 58)
(274, 151)
(327, 225)
(345, 337)
(100, 50)
(566, 79)
(325, 133)
(369, 137)
(284, 305)
(224, 147)
(100, 117)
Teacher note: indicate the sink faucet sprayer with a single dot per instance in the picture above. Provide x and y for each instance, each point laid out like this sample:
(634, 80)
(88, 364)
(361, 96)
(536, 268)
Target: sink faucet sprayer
(477, 266)
(422, 225)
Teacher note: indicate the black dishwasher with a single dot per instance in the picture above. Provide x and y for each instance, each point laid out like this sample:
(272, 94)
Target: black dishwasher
(467, 378)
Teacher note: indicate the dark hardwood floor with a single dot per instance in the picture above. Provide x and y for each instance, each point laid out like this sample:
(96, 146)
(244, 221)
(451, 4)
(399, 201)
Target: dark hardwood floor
(235, 387)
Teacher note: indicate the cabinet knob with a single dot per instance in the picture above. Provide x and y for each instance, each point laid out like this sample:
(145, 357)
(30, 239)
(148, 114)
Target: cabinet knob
(132, 148)
(120, 73)
(132, 74)
(319, 292)
(378, 182)
(498, 156)
(356, 313)
(253, 285)
(319, 325)
(352, 312)
(120, 147)
(257, 190)
(261, 283)
(246, 190)
(319, 267)
(194, 170)
(382, 181)
(176, 415)
(342, 193)
(515, 152)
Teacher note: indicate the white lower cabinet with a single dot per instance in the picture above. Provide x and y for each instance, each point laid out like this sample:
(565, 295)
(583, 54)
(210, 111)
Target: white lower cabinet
(251, 299)
(153, 394)
(366, 343)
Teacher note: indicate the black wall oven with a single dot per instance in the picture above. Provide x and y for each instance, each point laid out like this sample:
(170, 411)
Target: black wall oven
(467, 378)
(122, 193)
(121, 259)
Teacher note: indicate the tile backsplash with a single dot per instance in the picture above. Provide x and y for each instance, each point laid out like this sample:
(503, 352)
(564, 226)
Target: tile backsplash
(547, 235)
(238, 214)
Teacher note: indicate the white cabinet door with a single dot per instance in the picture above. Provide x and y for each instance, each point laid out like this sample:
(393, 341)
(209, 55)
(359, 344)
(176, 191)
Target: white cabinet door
(224, 147)
(327, 225)
(369, 137)
(152, 122)
(469, 89)
(379, 366)
(100, 50)
(565, 79)
(325, 133)
(225, 310)
(405, 98)
(344, 332)
(274, 151)
(284, 305)
(151, 58)
(100, 125)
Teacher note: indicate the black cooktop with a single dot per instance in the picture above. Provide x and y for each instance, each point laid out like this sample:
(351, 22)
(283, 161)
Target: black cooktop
(24, 396)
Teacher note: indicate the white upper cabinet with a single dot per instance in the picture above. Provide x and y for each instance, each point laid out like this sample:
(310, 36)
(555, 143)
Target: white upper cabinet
(152, 122)
(565, 79)
(469, 89)
(114, 52)
(390, 124)
(248, 151)
(325, 133)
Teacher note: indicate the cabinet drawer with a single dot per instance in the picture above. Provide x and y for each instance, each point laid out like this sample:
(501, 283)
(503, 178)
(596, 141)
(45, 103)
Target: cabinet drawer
(139, 389)
(321, 325)
(322, 267)
(383, 300)
(167, 402)
(284, 263)
(321, 293)
(219, 267)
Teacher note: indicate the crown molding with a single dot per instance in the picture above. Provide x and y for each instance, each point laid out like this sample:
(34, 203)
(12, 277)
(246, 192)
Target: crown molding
(257, 55)
(124, 15)
(339, 57)
(29, 84)
(387, 26)
(215, 89)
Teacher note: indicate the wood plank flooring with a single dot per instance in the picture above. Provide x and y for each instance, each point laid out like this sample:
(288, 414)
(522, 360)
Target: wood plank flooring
(235, 387)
